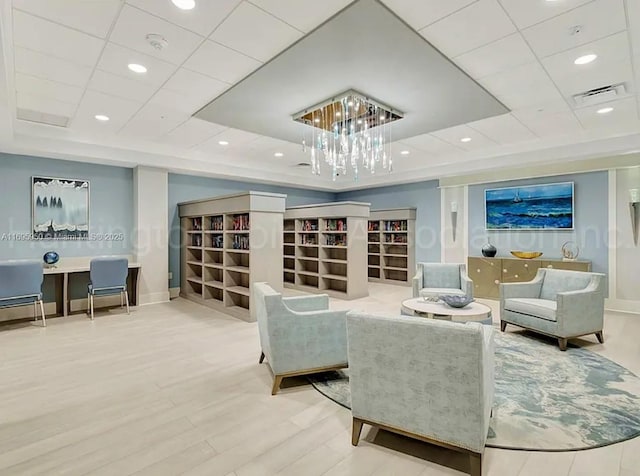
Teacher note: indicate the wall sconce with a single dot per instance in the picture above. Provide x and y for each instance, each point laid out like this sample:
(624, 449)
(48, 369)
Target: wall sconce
(454, 218)
(634, 208)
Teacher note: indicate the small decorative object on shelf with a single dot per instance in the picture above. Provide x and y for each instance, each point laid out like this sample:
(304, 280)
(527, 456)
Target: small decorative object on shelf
(489, 251)
(310, 225)
(336, 240)
(393, 238)
(50, 259)
(217, 241)
(308, 240)
(374, 226)
(336, 225)
(196, 224)
(527, 254)
(456, 301)
(570, 251)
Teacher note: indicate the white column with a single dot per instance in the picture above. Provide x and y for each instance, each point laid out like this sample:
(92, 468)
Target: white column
(151, 233)
(454, 224)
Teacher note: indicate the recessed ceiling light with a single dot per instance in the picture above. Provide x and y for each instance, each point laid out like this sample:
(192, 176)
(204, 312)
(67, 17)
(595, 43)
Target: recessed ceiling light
(586, 59)
(101, 117)
(137, 68)
(359, 121)
(184, 4)
(223, 142)
(465, 139)
(278, 154)
(605, 110)
(338, 114)
(317, 120)
(405, 152)
(383, 117)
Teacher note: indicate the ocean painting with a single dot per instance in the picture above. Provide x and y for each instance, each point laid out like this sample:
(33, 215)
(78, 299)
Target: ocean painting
(60, 208)
(533, 207)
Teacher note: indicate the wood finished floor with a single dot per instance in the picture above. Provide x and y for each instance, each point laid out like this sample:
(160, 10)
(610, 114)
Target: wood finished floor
(176, 389)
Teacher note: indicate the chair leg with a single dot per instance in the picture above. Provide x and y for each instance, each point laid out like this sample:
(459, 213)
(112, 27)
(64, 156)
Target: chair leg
(44, 321)
(121, 298)
(600, 337)
(277, 380)
(88, 304)
(356, 430)
(261, 358)
(562, 343)
(35, 310)
(91, 305)
(503, 325)
(475, 463)
(126, 299)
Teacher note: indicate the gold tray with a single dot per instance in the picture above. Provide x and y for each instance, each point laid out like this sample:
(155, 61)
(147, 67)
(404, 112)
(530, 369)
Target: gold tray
(527, 254)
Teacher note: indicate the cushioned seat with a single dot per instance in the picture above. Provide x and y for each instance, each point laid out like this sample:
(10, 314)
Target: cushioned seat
(21, 284)
(557, 303)
(542, 308)
(441, 292)
(436, 279)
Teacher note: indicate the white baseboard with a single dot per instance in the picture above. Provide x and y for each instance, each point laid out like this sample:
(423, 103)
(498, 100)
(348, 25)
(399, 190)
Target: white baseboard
(82, 304)
(174, 293)
(153, 298)
(26, 311)
(622, 305)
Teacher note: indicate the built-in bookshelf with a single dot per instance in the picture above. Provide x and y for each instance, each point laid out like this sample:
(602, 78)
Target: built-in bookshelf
(228, 243)
(325, 249)
(390, 245)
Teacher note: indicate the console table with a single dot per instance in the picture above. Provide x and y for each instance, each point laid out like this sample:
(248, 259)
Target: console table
(488, 273)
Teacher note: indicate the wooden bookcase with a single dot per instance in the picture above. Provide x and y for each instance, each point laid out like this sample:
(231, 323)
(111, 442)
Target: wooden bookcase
(391, 246)
(324, 249)
(227, 244)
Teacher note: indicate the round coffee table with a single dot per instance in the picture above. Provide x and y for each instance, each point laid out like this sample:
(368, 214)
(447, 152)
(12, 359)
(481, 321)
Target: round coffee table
(474, 312)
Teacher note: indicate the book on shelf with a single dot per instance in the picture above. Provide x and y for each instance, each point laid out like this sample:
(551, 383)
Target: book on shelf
(310, 225)
(336, 225)
(240, 242)
(241, 222)
(396, 225)
(196, 224)
(396, 239)
(336, 240)
(308, 239)
(217, 223)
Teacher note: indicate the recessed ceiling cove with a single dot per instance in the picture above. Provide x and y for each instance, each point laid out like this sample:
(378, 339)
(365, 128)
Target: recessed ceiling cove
(365, 47)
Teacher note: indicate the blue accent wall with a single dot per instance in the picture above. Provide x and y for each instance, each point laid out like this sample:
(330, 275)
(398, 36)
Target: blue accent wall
(183, 188)
(424, 196)
(110, 211)
(591, 225)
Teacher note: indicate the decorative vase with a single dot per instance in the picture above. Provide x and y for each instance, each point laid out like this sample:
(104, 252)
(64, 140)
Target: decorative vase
(50, 258)
(489, 251)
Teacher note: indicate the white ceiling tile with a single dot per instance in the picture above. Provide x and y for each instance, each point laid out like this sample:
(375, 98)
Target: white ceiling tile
(597, 19)
(152, 121)
(633, 19)
(195, 85)
(221, 63)
(305, 15)
(192, 132)
(420, 13)
(184, 103)
(47, 67)
(454, 136)
(611, 67)
(49, 89)
(549, 123)
(496, 57)
(44, 104)
(472, 27)
(115, 59)
(202, 19)
(431, 144)
(94, 17)
(134, 25)
(255, 33)
(117, 109)
(120, 86)
(504, 129)
(235, 137)
(55, 40)
(526, 85)
(525, 13)
(624, 112)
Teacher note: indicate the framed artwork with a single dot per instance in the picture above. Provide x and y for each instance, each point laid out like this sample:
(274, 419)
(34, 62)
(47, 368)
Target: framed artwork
(59, 208)
(532, 207)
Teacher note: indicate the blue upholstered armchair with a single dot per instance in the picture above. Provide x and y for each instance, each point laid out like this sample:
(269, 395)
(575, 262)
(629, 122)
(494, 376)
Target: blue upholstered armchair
(557, 303)
(21, 284)
(108, 276)
(434, 279)
(428, 379)
(299, 335)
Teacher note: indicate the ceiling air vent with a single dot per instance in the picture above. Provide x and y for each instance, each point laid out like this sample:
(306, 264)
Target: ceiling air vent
(600, 95)
(42, 117)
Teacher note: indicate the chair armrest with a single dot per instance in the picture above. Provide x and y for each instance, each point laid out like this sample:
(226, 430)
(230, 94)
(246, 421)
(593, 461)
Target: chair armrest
(466, 284)
(318, 302)
(580, 312)
(530, 289)
(416, 281)
(488, 358)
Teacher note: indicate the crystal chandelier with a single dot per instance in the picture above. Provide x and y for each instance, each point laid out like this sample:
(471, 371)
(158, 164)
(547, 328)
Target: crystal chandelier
(349, 131)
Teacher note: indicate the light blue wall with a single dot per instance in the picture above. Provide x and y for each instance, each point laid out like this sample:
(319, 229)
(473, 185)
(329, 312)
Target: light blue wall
(111, 206)
(424, 196)
(183, 188)
(591, 222)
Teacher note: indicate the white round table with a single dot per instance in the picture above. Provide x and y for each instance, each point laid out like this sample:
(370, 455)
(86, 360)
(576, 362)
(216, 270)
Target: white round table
(474, 312)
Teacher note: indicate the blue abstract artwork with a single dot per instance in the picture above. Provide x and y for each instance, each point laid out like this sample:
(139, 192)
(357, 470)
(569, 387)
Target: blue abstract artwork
(60, 208)
(532, 207)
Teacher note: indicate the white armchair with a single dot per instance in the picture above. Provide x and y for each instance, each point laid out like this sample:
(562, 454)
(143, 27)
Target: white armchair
(441, 278)
(299, 335)
(428, 379)
(558, 303)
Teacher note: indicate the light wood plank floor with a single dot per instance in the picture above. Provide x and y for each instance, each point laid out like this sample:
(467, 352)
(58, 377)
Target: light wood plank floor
(176, 389)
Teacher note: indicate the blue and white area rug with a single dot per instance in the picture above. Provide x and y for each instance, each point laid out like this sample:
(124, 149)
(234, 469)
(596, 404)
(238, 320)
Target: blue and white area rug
(545, 400)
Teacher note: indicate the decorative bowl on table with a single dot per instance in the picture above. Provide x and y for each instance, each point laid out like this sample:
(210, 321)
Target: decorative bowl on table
(50, 258)
(527, 254)
(456, 301)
